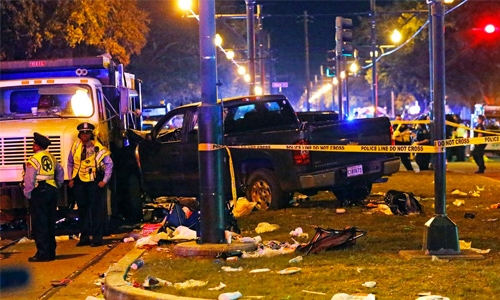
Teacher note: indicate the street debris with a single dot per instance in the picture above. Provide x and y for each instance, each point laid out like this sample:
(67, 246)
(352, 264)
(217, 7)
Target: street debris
(295, 260)
(190, 284)
(219, 287)
(312, 292)
(369, 284)
(242, 207)
(62, 282)
(231, 269)
(459, 202)
(288, 271)
(343, 296)
(263, 270)
(266, 227)
(151, 282)
(458, 192)
(230, 296)
(432, 297)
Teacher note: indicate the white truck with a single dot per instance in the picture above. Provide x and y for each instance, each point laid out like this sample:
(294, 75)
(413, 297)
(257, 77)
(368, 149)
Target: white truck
(52, 97)
(491, 123)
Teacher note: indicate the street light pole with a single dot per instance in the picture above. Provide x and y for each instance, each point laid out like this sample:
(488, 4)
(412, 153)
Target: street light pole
(308, 75)
(250, 4)
(441, 234)
(373, 50)
(212, 220)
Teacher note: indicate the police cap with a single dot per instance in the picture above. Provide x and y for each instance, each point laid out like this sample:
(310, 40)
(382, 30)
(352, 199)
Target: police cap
(41, 140)
(85, 128)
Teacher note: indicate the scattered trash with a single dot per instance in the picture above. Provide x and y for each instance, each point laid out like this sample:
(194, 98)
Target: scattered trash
(227, 254)
(232, 258)
(288, 271)
(151, 229)
(435, 258)
(369, 284)
(402, 203)
(295, 259)
(219, 287)
(491, 220)
(495, 206)
(340, 211)
(266, 227)
(151, 281)
(343, 296)
(459, 202)
(260, 270)
(137, 264)
(464, 245)
(256, 239)
(298, 231)
(474, 194)
(230, 296)
(128, 240)
(231, 269)
(480, 251)
(242, 207)
(92, 298)
(480, 188)
(62, 282)
(469, 215)
(25, 240)
(458, 192)
(312, 292)
(190, 284)
(331, 239)
(433, 297)
(61, 238)
(228, 236)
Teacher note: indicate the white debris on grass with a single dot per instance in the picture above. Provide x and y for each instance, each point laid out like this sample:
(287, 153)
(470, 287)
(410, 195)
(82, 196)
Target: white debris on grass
(190, 284)
(266, 227)
(369, 284)
(219, 287)
(343, 296)
(231, 269)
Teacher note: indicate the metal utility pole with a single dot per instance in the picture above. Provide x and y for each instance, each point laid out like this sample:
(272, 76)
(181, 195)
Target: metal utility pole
(250, 4)
(308, 75)
(441, 234)
(262, 61)
(212, 220)
(373, 50)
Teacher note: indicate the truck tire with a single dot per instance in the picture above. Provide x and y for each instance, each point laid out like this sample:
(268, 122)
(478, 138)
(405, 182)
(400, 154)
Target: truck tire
(264, 189)
(353, 194)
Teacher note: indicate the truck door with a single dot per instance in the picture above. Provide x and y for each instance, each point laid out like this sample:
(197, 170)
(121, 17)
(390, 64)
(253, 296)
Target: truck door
(161, 160)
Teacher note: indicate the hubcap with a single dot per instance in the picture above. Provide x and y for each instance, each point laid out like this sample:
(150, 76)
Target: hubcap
(261, 194)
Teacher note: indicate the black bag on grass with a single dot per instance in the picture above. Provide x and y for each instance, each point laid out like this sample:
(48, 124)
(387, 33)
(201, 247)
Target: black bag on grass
(331, 239)
(402, 203)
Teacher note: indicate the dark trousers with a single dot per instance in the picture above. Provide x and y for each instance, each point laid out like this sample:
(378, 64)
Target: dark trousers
(405, 159)
(91, 209)
(43, 206)
(423, 160)
(478, 155)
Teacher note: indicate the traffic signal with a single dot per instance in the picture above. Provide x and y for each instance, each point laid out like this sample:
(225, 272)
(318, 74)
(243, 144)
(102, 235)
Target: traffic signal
(490, 28)
(343, 36)
(331, 61)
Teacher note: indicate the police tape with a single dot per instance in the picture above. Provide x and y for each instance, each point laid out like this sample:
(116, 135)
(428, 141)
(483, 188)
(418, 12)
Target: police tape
(438, 147)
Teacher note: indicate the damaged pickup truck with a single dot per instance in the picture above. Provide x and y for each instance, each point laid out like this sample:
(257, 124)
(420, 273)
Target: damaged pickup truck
(167, 156)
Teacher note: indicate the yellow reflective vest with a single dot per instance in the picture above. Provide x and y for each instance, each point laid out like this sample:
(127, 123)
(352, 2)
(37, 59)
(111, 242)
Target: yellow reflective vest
(87, 169)
(45, 165)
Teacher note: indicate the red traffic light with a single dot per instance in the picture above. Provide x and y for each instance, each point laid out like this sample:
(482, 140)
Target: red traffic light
(490, 28)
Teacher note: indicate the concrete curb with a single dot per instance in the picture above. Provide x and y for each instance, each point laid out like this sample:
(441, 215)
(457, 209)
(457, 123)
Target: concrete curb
(117, 288)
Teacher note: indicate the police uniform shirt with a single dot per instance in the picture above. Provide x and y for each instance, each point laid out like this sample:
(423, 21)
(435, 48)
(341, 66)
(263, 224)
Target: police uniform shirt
(30, 177)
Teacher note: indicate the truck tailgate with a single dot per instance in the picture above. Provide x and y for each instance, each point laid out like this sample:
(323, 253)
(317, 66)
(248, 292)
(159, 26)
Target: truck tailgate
(373, 131)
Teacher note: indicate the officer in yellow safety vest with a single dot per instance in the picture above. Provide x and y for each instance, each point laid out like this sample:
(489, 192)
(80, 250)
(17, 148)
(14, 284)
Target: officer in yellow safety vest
(42, 177)
(91, 167)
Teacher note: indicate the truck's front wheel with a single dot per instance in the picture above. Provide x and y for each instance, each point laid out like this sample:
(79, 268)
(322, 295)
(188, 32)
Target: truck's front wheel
(263, 188)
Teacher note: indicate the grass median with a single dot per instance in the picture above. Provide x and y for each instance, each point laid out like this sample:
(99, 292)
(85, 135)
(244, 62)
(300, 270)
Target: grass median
(374, 257)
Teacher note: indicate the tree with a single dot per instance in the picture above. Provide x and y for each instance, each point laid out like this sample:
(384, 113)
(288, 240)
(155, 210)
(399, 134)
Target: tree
(54, 29)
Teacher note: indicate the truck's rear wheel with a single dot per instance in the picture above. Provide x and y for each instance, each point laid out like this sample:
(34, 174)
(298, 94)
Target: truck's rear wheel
(353, 194)
(263, 188)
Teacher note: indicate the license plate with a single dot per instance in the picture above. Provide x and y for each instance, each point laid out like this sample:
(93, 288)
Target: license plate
(355, 170)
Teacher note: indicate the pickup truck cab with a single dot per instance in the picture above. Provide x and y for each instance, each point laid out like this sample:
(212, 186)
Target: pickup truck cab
(168, 155)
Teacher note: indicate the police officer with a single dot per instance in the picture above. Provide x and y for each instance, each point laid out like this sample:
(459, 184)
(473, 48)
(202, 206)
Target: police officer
(43, 175)
(90, 168)
(402, 136)
(478, 151)
(422, 137)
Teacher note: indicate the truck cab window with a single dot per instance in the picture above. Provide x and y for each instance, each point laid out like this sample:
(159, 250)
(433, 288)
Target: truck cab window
(171, 129)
